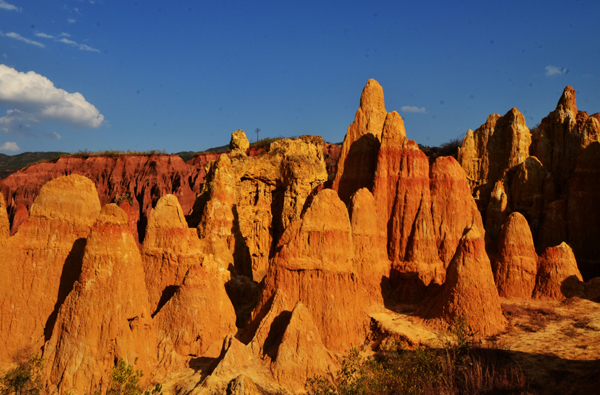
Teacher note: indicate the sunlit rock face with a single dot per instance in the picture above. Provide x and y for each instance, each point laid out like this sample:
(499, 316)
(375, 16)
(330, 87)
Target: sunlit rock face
(42, 261)
(469, 292)
(143, 178)
(560, 138)
(106, 316)
(496, 146)
(357, 161)
(515, 264)
(557, 270)
(248, 202)
(314, 265)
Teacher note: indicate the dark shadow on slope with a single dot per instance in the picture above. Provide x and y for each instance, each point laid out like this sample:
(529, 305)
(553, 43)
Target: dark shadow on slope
(276, 332)
(167, 294)
(359, 167)
(70, 274)
(243, 293)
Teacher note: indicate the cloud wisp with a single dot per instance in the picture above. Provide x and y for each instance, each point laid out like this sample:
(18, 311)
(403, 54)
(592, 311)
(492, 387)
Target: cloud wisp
(17, 36)
(553, 70)
(9, 146)
(33, 99)
(75, 44)
(44, 35)
(9, 7)
(62, 38)
(413, 109)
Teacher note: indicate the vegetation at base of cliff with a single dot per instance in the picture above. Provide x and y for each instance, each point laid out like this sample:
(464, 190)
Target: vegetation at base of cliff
(25, 379)
(458, 367)
(124, 380)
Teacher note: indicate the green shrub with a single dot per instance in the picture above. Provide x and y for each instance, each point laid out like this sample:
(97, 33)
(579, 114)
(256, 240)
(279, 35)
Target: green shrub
(460, 366)
(25, 379)
(124, 380)
(126, 196)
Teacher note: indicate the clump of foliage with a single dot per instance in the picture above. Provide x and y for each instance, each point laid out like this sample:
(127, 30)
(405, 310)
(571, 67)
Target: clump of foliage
(25, 379)
(126, 197)
(458, 367)
(124, 380)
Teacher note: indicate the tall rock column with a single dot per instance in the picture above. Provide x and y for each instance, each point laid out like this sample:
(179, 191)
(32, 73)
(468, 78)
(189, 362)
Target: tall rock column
(515, 264)
(42, 260)
(357, 161)
(496, 146)
(84, 344)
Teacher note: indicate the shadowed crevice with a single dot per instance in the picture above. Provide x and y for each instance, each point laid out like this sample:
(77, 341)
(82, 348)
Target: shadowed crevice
(70, 274)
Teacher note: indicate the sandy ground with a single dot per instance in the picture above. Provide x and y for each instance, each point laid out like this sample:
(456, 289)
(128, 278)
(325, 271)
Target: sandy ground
(557, 344)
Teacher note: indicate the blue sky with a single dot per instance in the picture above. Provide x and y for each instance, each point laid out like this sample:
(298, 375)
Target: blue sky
(183, 75)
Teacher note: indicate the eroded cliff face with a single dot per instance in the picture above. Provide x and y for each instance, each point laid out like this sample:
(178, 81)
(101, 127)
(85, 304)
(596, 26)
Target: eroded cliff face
(42, 260)
(106, 316)
(357, 163)
(248, 202)
(143, 178)
(546, 175)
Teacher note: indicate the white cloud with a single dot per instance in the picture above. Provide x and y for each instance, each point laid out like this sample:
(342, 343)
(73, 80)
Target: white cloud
(44, 35)
(35, 99)
(56, 136)
(5, 6)
(82, 47)
(64, 35)
(413, 109)
(553, 70)
(17, 36)
(71, 20)
(10, 146)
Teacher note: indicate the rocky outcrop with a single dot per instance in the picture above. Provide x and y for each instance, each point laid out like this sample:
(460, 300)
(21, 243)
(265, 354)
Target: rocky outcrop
(496, 146)
(301, 353)
(239, 141)
(583, 213)
(250, 201)
(528, 181)
(314, 265)
(453, 209)
(20, 215)
(170, 249)
(412, 242)
(42, 261)
(199, 315)
(370, 245)
(469, 292)
(357, 161)
(4, 225)
(556, 268)
(144, 178)
(390, 159)
(561, 136)
(132, 219)
(85, 344)
(515, 264)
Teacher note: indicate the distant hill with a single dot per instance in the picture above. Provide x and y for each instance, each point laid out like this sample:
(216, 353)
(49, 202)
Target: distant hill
(11, 163)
